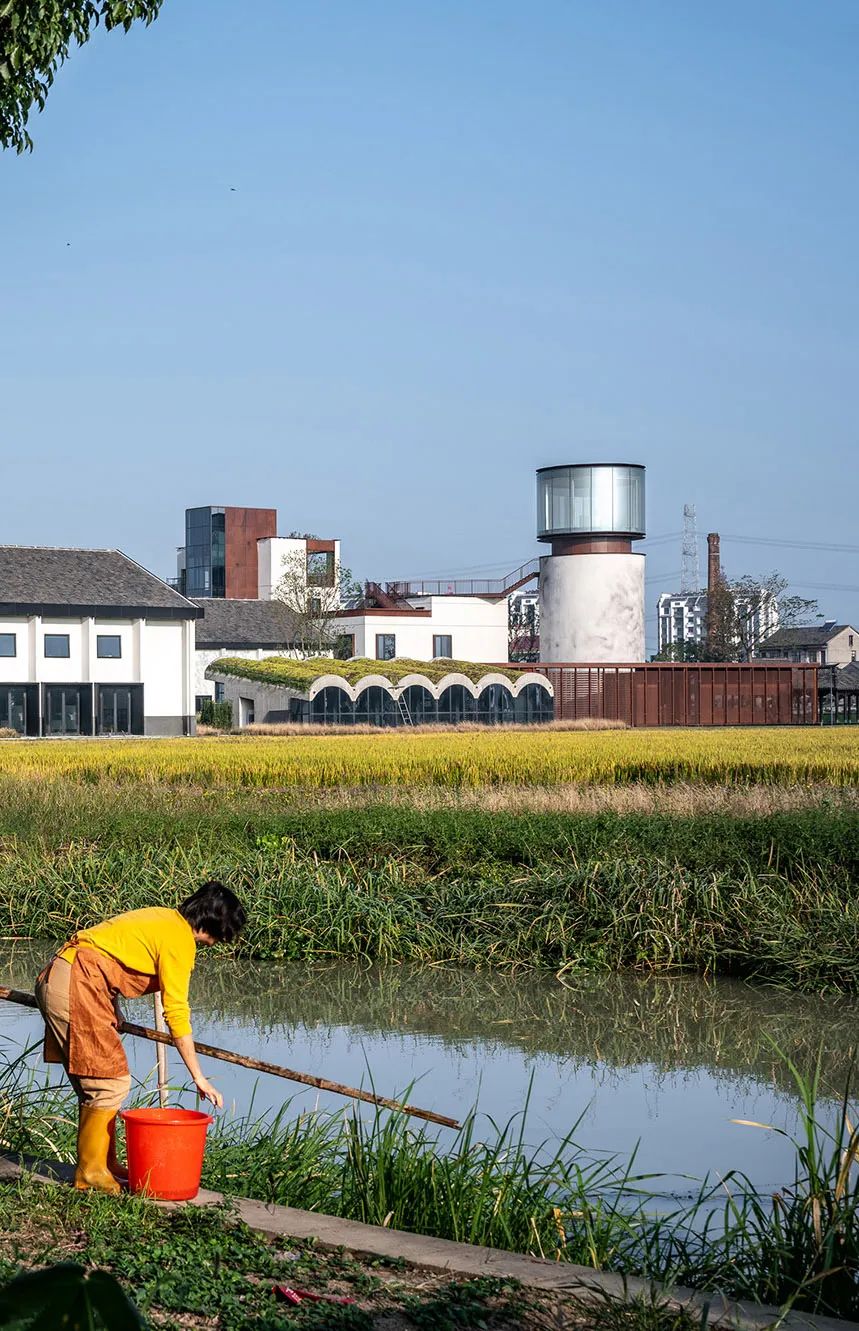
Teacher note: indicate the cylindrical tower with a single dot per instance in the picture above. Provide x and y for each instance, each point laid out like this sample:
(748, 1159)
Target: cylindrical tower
(592, 584)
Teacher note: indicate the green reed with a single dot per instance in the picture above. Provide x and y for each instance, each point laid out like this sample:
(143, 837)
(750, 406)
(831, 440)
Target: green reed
(486, 1184)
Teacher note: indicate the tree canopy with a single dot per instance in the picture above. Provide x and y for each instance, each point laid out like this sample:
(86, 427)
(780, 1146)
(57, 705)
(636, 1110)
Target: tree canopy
(35, 38)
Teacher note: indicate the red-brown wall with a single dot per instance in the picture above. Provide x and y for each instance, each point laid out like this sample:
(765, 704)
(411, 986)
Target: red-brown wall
(243, 527)
(657, 694)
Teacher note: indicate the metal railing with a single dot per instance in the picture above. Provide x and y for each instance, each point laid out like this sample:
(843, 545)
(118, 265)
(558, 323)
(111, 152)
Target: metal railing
(466, 586)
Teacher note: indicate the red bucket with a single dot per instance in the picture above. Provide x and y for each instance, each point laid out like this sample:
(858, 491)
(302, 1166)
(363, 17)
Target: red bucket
(165, 1151)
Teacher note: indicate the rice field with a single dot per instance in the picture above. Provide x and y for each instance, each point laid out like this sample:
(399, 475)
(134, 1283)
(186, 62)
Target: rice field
(776, 757)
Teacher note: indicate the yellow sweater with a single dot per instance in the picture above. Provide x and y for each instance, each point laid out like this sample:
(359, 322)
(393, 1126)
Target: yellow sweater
(155, 941)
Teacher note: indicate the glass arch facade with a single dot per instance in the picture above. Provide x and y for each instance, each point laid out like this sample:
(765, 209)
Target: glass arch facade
(376, 706)
(604, 499)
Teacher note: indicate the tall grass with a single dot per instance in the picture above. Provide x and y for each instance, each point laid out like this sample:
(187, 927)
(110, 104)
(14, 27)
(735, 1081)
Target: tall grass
(769, 899)
(487, 1185)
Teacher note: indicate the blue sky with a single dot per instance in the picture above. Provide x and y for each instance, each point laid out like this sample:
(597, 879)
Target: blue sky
(373, 264)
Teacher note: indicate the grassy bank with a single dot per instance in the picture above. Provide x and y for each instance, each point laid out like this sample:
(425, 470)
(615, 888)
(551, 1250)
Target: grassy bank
(768, 897)
(166, 1264)
(489, 1186)
(391, 758)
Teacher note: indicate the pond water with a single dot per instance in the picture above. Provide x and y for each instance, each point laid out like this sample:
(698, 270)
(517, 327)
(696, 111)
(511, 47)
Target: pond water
(661, 1064)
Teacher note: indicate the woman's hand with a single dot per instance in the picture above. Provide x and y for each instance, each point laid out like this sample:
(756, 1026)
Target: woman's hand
(207, 1091)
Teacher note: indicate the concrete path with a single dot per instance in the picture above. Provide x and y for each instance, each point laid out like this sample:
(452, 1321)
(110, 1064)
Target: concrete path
(469, 1259)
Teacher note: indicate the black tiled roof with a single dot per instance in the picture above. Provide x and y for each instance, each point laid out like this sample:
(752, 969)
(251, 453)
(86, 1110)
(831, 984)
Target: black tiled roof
(812, 635)
(232, 623)
(49, 580)
(844, 679)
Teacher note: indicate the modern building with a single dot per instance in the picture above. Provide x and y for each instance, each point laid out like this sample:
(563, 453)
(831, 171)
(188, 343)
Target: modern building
(235, 554)
(219, 557)
(251, 629)
(483, 696)
(682, 617)
(293, 565)
(827, 644)
(592, 584)
(524, 625)
(390, 623)
(91, 643)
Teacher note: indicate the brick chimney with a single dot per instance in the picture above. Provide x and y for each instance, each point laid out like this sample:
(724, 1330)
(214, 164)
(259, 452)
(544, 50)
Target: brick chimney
(714, 563)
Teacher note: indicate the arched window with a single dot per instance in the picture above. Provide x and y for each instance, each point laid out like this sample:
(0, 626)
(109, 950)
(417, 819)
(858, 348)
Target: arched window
(376, 707)
(420, 705)
(495, 705)
(455, 705)
(535, 704)
(332, 706)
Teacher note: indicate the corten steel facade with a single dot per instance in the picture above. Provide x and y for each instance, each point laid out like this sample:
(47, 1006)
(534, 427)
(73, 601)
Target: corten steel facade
(685, 695)
(244, 527)
(220, 554)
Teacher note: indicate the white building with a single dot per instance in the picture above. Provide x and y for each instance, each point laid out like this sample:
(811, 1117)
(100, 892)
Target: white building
(251, 629)
(91, 643)
(828, 644)
(682, 617)
(294, 558)
(464, 628)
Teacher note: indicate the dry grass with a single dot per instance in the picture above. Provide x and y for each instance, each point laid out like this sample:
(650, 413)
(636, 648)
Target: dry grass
(303, 729)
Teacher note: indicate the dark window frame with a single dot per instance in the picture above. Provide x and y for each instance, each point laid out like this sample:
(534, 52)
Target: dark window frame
(56, 637)
(442, 638)
(14, 639)
(108, 656)
(384, 637)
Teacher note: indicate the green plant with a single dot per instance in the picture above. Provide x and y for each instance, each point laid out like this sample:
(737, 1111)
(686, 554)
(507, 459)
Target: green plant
(219, 715)
(69, 1296)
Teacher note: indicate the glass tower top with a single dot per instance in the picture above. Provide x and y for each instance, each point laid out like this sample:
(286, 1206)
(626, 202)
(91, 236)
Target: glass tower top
(600, 499)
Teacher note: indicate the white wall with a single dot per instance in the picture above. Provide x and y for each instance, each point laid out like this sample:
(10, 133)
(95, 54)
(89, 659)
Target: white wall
(274, 553)
(157, 653)
(592, 608)
(478, 629)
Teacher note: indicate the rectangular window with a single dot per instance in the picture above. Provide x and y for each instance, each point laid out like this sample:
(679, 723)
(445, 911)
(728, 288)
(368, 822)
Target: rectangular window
(442, 645)
(220, 692)
(7, 644)
(386, 646)
(344, 646)
(108, 645)
(56, 644)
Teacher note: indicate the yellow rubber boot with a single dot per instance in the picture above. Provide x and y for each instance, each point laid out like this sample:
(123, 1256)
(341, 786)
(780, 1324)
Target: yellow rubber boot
(117, 1169)
(93, 1146)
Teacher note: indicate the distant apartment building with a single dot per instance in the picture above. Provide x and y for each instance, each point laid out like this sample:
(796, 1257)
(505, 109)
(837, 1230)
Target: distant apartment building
(523, 609)
(827, 644)
(682, 617)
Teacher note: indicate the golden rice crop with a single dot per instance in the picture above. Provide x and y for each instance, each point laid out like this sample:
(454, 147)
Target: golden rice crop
(493, 758)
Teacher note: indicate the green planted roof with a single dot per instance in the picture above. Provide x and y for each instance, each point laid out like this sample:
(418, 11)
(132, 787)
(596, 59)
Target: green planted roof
(301, 674)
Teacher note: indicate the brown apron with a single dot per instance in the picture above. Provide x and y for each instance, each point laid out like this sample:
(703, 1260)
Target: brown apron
(95, 1049)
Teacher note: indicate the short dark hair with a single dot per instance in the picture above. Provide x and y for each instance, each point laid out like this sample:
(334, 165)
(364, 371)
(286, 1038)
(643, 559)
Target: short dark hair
(215, 910)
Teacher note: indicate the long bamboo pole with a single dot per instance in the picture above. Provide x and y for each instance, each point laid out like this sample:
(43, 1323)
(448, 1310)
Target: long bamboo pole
(160, 1050)
(257, 1065)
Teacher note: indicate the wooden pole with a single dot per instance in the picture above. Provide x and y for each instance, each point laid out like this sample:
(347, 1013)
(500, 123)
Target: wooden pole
(257, 1065)
(160, 1051)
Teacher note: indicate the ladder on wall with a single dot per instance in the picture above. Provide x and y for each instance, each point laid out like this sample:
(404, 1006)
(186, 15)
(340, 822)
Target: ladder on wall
(405, 714)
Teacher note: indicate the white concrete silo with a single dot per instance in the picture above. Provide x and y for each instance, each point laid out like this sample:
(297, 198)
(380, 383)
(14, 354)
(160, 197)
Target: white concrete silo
(592, 584)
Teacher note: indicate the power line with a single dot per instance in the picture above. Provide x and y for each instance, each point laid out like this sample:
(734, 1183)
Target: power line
(795, 545)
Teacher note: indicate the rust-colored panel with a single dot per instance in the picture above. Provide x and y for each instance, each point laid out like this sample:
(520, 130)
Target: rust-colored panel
(243, 527)
(658, 694)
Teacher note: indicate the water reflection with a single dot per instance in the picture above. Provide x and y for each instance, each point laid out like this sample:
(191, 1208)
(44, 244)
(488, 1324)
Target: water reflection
(667, 1061)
